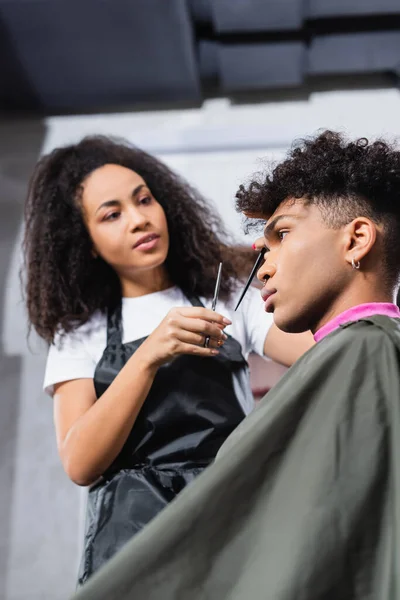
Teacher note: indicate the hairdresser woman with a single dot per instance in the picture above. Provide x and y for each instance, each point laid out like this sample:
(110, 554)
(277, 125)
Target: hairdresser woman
(121, 259)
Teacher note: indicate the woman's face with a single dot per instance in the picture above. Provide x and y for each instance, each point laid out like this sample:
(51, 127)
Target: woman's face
(127, 225)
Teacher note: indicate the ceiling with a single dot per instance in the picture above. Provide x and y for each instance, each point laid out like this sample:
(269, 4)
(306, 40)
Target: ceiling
(70, 56)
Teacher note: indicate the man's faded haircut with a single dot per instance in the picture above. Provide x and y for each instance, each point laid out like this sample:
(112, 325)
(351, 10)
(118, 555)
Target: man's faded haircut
(345, 179)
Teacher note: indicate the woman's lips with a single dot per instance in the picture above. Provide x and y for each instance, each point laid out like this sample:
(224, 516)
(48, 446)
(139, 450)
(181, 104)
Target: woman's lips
(147, 242)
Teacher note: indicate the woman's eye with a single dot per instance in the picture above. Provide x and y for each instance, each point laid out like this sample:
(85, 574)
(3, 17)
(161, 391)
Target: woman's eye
(112, 216)
(281, 234)
(145, 200)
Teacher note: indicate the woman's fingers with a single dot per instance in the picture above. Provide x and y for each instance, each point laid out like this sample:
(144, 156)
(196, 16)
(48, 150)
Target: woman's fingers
(205, 314)
(259, 244)
(186, 329)
(198, 339)
(199, 350)
(205, 328)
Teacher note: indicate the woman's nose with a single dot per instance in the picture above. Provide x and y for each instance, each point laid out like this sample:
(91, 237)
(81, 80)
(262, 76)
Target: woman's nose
(137, 219)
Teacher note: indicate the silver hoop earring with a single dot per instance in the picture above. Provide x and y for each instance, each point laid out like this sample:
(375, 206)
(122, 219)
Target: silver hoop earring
(355, 264)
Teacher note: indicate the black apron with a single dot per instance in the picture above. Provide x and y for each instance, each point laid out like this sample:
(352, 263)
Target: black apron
(191, 409)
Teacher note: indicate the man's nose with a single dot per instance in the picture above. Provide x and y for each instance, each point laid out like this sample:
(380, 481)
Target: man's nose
(267, 269)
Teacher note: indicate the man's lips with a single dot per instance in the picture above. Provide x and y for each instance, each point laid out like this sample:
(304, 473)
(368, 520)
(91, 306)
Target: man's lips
(265, 293)
(267, 296)
(146, 239)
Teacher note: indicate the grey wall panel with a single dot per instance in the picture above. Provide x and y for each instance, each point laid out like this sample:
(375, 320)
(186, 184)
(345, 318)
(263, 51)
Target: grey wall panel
(90, 53)
(39, 506)
(257, 66)
(354, 53)
(257, 15)
(10, 373)
(10, 366)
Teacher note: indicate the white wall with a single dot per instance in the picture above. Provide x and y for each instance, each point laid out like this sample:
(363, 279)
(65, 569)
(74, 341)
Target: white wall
(220, 145)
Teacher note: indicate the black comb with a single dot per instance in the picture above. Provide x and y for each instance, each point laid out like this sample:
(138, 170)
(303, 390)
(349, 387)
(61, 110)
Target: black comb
(257, 265)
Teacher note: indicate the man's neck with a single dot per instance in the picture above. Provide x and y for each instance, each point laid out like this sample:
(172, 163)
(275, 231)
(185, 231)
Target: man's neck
(351, 300)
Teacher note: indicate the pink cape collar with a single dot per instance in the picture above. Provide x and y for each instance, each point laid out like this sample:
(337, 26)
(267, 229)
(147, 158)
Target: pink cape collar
(355, 314)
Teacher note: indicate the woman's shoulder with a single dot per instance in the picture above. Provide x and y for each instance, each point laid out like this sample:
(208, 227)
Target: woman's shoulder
(74, 354)
(82, 334)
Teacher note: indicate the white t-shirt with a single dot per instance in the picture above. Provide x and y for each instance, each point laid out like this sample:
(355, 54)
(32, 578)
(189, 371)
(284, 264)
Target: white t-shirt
(76, 355)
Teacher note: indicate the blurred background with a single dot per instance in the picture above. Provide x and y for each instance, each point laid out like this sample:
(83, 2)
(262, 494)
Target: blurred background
(216, 89)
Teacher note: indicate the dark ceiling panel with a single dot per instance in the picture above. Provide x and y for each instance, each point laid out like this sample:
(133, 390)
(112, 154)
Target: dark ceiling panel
(258, 66)
(201, 10)
(257, 15)
(354, 53)
(60, 56)
(75, 55)
(208, 60)
(346, 8)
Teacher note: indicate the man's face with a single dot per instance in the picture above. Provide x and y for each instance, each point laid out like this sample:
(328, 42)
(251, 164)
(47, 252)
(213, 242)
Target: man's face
(304, 271)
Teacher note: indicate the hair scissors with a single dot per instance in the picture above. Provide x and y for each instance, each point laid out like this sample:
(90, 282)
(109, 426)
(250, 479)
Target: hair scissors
(215, 299)
(257, 265)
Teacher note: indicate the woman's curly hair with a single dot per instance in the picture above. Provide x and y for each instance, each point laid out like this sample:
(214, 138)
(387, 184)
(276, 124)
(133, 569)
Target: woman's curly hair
(65, 284)
(345, 179)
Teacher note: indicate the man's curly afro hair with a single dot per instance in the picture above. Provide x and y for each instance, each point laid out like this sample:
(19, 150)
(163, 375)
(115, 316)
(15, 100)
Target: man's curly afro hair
(345, 179)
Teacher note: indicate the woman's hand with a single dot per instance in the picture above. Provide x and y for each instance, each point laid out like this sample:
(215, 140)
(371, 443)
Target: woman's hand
(259, 244)
(90, 432)
(183, 331)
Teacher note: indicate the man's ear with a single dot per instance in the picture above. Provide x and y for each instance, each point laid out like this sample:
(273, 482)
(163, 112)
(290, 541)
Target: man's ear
(360, 237)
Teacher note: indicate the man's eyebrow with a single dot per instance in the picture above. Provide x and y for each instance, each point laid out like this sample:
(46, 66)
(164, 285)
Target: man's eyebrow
(109, 203)
(271, 226)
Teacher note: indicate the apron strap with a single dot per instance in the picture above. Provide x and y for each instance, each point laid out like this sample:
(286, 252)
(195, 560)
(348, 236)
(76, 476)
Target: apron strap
(194, 301)
(114, 326)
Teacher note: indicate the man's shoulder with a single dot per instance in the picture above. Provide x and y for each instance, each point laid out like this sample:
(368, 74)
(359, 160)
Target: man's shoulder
(376, 328)
(366, 341)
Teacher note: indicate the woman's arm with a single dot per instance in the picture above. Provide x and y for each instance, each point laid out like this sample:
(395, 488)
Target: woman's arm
(90, 433)
(286, 348)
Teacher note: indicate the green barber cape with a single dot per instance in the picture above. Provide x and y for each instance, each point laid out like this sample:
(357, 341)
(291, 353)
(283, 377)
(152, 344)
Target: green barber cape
(303, 501)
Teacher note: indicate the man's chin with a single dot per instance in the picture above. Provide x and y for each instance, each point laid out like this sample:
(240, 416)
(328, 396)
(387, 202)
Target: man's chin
(289, 324)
